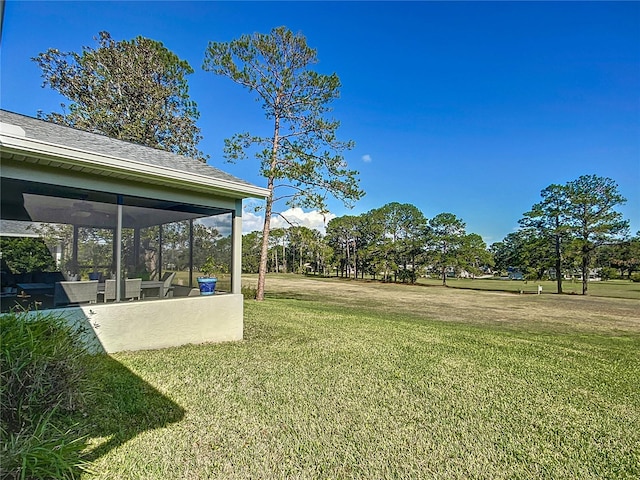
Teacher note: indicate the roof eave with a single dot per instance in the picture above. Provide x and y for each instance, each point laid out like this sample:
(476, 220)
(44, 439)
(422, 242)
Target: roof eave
(135, 169)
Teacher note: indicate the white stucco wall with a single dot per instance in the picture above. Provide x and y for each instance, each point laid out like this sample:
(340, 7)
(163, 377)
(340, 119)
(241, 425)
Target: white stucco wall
(157, 324)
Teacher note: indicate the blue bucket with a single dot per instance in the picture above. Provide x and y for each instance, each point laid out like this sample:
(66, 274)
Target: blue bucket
(207, 285)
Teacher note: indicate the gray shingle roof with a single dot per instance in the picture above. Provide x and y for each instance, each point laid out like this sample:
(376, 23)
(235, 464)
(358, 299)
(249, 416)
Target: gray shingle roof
(12, 228)
(78, 139)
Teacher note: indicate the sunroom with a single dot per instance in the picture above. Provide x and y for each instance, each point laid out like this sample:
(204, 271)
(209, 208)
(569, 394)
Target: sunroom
(116, 235)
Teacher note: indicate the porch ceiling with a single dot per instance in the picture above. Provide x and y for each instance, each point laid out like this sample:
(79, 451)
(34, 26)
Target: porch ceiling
(35, 202)
(100, 215)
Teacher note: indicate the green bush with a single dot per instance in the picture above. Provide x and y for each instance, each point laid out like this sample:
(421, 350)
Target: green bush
(43, 386)
(635, 277)
(26, 255)
(608, 273)
(249, 292)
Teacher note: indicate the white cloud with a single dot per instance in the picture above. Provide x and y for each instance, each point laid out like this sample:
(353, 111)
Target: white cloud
(295, 216)
(366, 158)
(251, 222)
(222, 223)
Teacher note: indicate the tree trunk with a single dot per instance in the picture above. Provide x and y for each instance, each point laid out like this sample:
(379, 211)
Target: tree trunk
(284, 257)
(264, 251)
(293, 259)
(348, 261)
(558, 264)
(585, 271)
(355, 261)
(275, 255)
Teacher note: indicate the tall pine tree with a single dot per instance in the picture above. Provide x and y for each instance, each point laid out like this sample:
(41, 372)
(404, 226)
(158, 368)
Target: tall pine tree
(302, 158)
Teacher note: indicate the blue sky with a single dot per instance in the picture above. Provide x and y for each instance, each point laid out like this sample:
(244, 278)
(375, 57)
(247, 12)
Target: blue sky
(464, 107)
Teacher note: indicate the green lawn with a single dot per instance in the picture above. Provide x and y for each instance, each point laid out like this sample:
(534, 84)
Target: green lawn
(359, 380)
(609, 288)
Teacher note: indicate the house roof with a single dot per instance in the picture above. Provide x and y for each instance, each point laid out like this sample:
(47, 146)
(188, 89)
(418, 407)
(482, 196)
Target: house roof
(35, 140)
(12, 228)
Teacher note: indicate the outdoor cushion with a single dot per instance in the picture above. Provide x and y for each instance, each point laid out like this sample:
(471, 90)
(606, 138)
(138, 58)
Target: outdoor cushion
(96, 276)
(7, 279)
(26, 277)
(47, 277)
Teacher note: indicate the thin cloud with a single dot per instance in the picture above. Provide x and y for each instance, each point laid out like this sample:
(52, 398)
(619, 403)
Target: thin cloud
(366, 158)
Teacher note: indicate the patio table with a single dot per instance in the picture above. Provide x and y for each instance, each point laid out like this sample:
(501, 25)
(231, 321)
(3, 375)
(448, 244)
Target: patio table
(146, 285)
(153, 285)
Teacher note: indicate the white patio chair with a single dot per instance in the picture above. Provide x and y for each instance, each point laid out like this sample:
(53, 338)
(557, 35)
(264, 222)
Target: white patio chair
(168, 278)
(132, 288)
(65, 293)
(109, 290)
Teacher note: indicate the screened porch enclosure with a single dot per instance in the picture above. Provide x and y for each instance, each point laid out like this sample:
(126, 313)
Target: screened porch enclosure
(105, 227)
(102, 236)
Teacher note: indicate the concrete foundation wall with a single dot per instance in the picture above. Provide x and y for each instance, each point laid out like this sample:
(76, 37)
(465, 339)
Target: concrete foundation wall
(145, 325)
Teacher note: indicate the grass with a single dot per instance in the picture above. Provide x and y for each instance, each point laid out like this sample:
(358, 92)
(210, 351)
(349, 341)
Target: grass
(339, 379)
(609, 288)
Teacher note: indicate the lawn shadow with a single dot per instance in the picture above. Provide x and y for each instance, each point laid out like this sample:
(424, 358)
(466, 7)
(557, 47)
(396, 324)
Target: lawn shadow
(123, 406)
(99, 403)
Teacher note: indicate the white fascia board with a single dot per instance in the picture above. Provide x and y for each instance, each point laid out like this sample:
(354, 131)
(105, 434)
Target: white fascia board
(163, 175)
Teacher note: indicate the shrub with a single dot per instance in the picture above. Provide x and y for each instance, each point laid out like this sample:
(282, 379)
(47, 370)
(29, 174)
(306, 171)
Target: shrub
(608, 273)
(43, 385)
(25, 254)
(249, 292)
(635, 277)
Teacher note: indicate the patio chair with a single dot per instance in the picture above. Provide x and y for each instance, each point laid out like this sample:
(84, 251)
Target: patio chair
(167, 278)
(65, 293)
(109, 291)
(132, 288)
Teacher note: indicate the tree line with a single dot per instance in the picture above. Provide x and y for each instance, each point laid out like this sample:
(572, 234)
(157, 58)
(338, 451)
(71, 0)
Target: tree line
(137, 91)
(572, 230)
